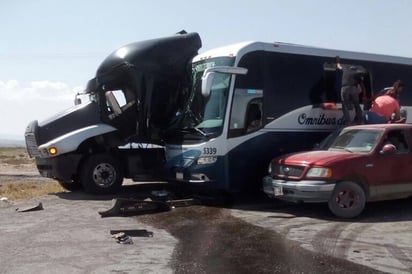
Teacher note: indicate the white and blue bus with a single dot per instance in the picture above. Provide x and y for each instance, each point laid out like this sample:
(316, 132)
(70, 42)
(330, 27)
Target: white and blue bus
(289, 91)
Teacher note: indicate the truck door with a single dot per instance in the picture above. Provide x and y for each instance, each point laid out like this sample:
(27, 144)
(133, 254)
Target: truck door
(122, 111)
(391, 171)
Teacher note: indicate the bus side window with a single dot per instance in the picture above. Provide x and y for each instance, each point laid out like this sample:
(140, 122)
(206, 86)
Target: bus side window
(246, 112)
(253, 118)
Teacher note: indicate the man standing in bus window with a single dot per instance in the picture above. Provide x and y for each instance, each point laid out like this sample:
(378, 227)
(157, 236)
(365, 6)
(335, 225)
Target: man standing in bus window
(352, 86)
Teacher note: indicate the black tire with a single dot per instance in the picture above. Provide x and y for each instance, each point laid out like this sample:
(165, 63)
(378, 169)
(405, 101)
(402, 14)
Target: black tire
(71, 186)
(101, 174)
(348, 200)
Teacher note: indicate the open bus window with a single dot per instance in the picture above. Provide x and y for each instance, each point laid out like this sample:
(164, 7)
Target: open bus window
(326, 91)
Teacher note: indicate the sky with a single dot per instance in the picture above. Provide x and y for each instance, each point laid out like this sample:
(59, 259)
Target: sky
(49, 49)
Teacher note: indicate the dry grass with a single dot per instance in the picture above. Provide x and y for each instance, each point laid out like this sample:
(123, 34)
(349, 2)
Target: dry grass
(23, 190)
(17, 161)
(14, 156)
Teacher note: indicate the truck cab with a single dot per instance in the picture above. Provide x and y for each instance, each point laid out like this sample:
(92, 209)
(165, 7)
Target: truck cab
(117, 132)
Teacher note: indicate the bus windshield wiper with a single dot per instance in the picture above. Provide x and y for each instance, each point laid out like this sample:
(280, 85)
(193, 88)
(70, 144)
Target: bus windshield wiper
(200, 131)
(194, 129)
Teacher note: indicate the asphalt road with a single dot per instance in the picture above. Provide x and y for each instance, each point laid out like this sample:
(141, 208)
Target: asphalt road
(69, 236)
(381, 238)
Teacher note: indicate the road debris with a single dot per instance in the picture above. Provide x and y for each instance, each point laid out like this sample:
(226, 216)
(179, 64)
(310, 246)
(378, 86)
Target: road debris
(36, 207)
(132, 207)
(123, 238)
(134, 232)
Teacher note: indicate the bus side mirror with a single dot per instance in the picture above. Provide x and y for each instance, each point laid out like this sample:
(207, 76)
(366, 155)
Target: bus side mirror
(209, 76)
(207, 80)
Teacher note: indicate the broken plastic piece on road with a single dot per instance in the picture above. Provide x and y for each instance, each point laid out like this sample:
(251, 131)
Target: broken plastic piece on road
(39, 206)
(133, 232)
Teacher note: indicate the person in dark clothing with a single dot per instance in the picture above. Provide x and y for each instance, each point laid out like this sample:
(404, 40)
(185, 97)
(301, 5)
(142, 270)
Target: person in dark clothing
(352, 86)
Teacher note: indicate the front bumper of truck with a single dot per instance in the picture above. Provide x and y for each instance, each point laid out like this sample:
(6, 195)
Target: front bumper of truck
(61, 168)
(308, 191)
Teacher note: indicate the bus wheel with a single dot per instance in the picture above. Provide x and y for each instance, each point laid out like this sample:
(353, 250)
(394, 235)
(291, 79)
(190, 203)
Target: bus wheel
(101, 174)
(70, 186)
(348, 200)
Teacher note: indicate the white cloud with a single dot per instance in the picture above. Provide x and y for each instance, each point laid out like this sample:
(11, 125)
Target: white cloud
(38, 100)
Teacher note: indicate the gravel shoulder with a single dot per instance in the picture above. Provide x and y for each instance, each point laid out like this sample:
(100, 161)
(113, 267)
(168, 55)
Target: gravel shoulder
(69, 236)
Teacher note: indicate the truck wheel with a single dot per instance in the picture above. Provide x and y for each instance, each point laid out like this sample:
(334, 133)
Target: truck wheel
(101, 174)
(348, 200)
(70, 186)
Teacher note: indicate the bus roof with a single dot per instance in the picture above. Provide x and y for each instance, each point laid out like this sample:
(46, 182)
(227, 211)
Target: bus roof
(240, 49)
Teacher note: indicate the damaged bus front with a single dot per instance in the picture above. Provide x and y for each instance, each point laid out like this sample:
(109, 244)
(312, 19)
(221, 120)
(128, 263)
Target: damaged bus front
(116, 134)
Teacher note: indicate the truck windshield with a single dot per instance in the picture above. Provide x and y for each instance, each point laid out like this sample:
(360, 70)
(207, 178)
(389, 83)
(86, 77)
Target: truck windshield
(356, 140)
(204, 116)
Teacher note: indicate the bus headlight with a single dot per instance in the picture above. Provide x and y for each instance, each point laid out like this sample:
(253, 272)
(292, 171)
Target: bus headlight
(319, 172)
(206, 160)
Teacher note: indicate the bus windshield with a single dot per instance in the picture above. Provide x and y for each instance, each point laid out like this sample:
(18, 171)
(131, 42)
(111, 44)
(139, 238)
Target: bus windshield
(205, 115)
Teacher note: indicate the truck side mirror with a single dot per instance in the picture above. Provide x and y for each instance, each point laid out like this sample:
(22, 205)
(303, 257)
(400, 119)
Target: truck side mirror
(77, 100)
(388, 149)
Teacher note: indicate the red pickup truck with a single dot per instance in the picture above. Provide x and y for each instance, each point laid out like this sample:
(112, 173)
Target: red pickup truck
(360, 164)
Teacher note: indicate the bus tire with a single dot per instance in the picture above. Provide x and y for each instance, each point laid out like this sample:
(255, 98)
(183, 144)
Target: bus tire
(348, 200)
(101, 174)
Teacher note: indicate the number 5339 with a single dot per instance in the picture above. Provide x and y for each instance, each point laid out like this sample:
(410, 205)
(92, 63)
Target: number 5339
(209, 150)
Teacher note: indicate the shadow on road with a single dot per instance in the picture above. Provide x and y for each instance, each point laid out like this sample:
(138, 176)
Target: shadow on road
(385, 211)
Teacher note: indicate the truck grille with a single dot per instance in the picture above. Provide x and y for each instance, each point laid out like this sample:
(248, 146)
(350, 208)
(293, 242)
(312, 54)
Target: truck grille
(288, 170)
(31, 144)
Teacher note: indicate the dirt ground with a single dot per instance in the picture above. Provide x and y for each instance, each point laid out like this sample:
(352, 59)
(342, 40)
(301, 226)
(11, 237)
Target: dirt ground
(70, 237)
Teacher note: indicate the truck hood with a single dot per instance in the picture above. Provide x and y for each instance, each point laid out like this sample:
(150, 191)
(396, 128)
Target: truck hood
(158, 73)
(66, 121)
(321, 157)
(163, 55)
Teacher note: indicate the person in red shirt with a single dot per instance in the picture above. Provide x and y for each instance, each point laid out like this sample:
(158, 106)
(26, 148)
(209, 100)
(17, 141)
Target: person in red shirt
(385, 109)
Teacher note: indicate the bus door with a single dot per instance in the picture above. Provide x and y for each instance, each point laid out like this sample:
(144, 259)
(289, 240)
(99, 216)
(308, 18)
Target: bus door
(244, 122)
(246, 112)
